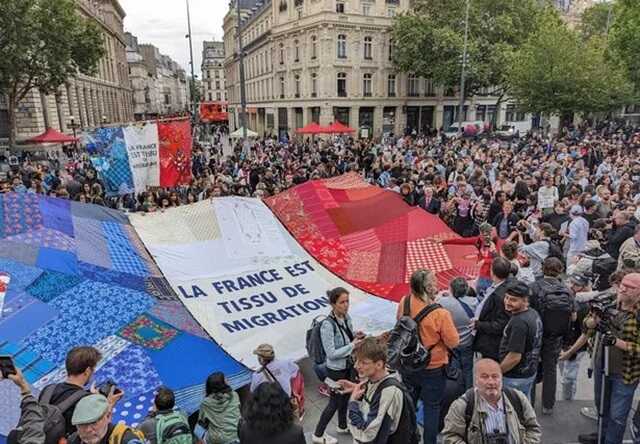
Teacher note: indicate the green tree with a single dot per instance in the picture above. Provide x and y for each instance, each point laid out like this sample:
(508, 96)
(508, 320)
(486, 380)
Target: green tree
(42, 44)
(596, 20)
(624, 37)
(428, 40)
(557, 72)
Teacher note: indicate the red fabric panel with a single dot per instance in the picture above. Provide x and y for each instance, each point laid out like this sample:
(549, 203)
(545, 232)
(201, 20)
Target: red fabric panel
(356, 194)
(368, 213)
(362, 240)
(363, 265)
(175, 153)
(426, 254)
(392, 263)
(395, 230)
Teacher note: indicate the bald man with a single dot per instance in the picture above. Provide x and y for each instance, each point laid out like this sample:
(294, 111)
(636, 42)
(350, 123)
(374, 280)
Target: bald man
(496, 412)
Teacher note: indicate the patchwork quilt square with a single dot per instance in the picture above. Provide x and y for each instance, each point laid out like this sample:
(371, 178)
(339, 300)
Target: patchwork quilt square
(91, 242)
(19, 252)
(363, 265)
(57, 260)
(123, 256)
(424, 253)
(57, 214)
(21, 213)
(148, 333)
(51, 284)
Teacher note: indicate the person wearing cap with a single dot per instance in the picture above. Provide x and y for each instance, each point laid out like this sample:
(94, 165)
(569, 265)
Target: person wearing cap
(623, 344)
(272, 369)
(577, 233)
(92, 418)
(521, 341)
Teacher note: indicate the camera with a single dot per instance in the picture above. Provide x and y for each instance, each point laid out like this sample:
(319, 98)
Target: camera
(105, 388)
(497, 438)
(605, 309)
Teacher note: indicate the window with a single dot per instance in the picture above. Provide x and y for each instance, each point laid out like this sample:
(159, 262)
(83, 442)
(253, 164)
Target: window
(513, 115)
(340, 7)
(297, 83)
(314, 47)
(412, 86)
(342, 46)
(217, 84)
(391, 12)
(366, 8)
(314, 85)
(391, 85)
(282, 53)
(282, 86)
(299, 12)
(210, 98)
(342, 84)
(429, 88)
(218, 96)
(296, 44)
(368, 50)
(366, 84)
(390, 50)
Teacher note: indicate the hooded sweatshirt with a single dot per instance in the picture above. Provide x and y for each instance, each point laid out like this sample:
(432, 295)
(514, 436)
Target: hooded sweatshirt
(222, 411)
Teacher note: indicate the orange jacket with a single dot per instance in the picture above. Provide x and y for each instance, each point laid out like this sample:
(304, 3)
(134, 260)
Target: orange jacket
(437, 328)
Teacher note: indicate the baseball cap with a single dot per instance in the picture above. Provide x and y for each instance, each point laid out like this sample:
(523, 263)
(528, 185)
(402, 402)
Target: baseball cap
(89, 409)
(518, 289)
(265, 351)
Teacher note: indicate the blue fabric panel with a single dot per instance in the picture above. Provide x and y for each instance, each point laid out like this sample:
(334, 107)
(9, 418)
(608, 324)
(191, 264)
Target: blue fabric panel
(89, 312)
(112, 277)
(97, 212)
(109, 157)
(3, 439)
(91, 242)
(123, 255)
(19, 252)
(133, 408)
(180, 370)
(57, 214)
(32, 365)
(19, 324)
(9, 406)
(21, 213)
(51, 284)
(21, 275)
(57, 260)
(132, 370)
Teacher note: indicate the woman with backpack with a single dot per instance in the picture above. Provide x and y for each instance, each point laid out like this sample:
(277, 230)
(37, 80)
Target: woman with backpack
(268, 418)
(338, 341)
(220, 411)
(438, 334)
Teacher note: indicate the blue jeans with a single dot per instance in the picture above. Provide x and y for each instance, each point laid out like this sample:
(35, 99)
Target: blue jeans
(619, 399)
(428, 385)
(465, 355)
(481, 286)
(523, 384)
(569, 377)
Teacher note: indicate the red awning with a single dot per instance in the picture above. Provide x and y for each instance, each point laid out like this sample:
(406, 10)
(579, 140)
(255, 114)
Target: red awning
(52, 136)
(338, 128)
(312, 128)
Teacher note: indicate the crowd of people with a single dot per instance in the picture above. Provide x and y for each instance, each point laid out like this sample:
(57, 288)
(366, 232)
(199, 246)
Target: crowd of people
(556, 224)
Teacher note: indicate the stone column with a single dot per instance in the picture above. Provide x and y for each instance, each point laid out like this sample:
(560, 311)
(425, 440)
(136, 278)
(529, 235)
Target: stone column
(439, 115)
(377, 120)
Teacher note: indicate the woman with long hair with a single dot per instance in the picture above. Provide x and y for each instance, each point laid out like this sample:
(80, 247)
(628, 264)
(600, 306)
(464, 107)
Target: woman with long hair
(338, 341)
(437, 333)
(220, 411)
(268, 418)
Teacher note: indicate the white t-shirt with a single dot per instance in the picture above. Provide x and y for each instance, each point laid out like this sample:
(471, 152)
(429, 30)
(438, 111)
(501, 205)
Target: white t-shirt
(283, 371)
(547, 197)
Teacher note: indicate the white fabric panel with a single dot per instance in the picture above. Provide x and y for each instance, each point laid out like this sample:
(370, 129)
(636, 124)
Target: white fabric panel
(144, 158)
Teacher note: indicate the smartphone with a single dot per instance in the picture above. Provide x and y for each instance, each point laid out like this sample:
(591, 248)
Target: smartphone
(105, 388)
(333, 385)
(7, 367)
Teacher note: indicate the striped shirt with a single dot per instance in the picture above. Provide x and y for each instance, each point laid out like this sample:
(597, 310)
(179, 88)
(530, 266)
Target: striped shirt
(494, 418)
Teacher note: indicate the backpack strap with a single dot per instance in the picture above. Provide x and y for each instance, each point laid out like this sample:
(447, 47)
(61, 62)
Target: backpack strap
(406, 310)
(426, 311)
(470, 397)
(47, 394)
(71, 401)
(516, 403)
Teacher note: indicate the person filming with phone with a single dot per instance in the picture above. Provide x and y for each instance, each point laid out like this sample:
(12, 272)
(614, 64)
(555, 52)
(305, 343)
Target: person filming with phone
(30, 428)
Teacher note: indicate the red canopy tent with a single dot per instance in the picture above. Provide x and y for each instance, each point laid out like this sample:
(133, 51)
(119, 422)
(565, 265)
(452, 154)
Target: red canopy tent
(312, 128)
(338, 128)
(52, 136)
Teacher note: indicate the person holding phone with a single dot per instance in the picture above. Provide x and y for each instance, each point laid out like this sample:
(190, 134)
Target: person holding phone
(30, 428)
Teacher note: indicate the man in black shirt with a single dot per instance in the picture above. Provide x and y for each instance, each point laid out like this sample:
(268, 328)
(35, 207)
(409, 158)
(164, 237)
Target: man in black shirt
(521, 341)
(80, 364)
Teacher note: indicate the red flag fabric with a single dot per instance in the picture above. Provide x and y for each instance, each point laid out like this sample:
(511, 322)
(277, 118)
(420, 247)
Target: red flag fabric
(175, 153)
(369, 236)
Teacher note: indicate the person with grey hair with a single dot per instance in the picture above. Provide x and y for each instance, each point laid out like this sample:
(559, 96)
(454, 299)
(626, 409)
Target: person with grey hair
(461, 302)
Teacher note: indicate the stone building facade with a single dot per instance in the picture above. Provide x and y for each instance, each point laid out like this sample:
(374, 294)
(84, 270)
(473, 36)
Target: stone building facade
(213, 83)
(159, 84)
(89, 100)
(326, 60)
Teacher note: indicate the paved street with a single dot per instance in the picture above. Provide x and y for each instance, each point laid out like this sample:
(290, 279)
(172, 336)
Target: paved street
(562, 428)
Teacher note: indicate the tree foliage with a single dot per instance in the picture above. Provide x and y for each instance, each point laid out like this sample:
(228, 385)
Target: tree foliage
(624, 37)
(42, 44)
(428, 40)
(595, 20)
(557, 72)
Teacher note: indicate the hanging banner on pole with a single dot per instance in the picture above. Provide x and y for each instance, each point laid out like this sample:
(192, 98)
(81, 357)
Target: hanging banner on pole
(108, 152)
(175, 153)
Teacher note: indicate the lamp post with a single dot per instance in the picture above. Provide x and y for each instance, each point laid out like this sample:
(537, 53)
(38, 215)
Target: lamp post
(193, 77)
(243, 94)
(463, 74)
(74, 126)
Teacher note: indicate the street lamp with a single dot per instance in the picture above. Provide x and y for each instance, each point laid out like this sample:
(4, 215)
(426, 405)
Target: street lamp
(193, 77)
(104, 120)
(464, 66)
(243, 94)
(74, 126)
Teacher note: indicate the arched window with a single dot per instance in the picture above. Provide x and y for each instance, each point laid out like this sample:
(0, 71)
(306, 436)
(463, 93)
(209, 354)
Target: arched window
(368, 50)
(281, 53)
(314, 47)
(314, 84)
(296, 46)
(297, 84)
(342, 84)
(367, 80)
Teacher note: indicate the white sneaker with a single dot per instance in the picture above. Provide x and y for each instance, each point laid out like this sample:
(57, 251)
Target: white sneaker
(325, 439)
(344, 431)
(589, 412)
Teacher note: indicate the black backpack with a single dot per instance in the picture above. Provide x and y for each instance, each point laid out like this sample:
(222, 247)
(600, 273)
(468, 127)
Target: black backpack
(602, 268)
(470, 397)
(556, 307)
(55, 424)
(554, 250)
(405, 351)
(407, 431)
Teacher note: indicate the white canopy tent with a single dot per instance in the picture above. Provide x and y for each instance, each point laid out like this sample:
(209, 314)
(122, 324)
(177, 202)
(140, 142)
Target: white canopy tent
(238, 134)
